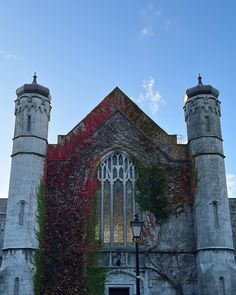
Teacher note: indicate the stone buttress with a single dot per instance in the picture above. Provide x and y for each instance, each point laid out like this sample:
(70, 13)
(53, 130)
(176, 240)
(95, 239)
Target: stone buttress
(32, 111)
(214, 244)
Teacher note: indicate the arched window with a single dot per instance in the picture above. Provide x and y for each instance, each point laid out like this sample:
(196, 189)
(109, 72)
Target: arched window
(22, 212)
(222, 285)
(16, 286)
(215, 205)
(117, 204)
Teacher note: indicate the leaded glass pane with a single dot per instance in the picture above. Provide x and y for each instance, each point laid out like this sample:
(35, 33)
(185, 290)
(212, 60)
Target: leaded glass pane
(117, 177)
(131, 173)
(120, 160)
(126, 163)
(107, 211)
(115, 159)
(129, 210)
(118, 212)
(109, 164)
(114, 173)
(121, 173)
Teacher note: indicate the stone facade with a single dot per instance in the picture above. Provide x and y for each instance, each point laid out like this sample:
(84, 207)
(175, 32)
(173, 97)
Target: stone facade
(190, 253)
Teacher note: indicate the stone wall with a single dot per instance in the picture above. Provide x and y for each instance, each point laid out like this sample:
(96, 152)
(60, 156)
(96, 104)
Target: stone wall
(3, 209)
(232, 208)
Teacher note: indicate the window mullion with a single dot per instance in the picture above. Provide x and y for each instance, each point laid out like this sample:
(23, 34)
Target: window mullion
(111, 205)
(102, 209)
(124, 211)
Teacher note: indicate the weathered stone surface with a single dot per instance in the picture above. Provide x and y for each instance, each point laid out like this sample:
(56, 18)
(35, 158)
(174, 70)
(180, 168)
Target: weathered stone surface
(214, 243)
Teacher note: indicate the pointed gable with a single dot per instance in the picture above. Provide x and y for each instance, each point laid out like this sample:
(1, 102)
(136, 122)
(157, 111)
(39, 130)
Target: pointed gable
(114, 102)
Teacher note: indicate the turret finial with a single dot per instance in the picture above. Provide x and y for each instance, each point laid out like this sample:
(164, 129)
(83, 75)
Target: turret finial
(34, 78)
(199, 80)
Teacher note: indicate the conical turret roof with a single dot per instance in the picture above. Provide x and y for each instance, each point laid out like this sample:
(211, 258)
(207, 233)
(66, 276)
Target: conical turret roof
(34, 87)
(202, 89)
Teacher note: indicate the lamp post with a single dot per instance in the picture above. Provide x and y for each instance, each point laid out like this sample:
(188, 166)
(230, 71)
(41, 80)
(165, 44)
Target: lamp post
(137, 227)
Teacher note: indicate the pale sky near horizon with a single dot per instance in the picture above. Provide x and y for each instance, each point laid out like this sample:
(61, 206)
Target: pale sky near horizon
(152, 50)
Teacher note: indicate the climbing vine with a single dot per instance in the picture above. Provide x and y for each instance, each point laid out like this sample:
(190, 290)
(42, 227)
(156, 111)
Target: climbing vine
(95, 276)
(38, 254)
(151, 193)
(161, 189)
(69, 247)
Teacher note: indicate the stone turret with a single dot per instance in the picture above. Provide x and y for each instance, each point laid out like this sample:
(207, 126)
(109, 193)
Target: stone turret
(214, 245)
(32, 111)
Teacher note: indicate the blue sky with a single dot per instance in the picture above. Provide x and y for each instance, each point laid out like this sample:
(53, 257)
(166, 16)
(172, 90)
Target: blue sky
(152, 50)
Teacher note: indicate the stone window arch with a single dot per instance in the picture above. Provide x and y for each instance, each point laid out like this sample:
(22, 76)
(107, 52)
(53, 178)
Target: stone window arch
(116, 174)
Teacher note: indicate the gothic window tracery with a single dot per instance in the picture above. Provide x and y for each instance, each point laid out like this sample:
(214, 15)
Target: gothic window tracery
(117, 204)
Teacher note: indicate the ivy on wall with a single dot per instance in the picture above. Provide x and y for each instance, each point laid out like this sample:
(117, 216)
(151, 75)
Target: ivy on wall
(95, 276)
(152, 193)
(38, 254)
(161, 189)
(66, 261)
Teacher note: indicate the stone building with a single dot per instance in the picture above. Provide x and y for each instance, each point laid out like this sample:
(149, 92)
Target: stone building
(191, 252)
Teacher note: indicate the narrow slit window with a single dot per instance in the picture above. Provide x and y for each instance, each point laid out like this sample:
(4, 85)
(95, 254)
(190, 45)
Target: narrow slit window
(21, 212)
(222, 286)
(208, 129)
(1, 277)
(3, 226)
(215, 212)
(29, 123)
(16, 286)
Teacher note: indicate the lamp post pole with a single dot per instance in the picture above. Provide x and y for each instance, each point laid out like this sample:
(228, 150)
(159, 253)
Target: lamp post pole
(137, 269)
(137, 227)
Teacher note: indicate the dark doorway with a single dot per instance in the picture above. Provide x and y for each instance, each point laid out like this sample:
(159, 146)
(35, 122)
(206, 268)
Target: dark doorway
(118, 291)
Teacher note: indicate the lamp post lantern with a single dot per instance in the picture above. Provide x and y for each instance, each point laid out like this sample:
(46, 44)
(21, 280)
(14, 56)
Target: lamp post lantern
(137, 227)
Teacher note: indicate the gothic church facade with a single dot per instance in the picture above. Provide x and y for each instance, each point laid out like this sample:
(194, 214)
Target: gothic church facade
(192, 252)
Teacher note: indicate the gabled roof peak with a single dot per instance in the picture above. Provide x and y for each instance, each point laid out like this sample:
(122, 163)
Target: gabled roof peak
(117, 90)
